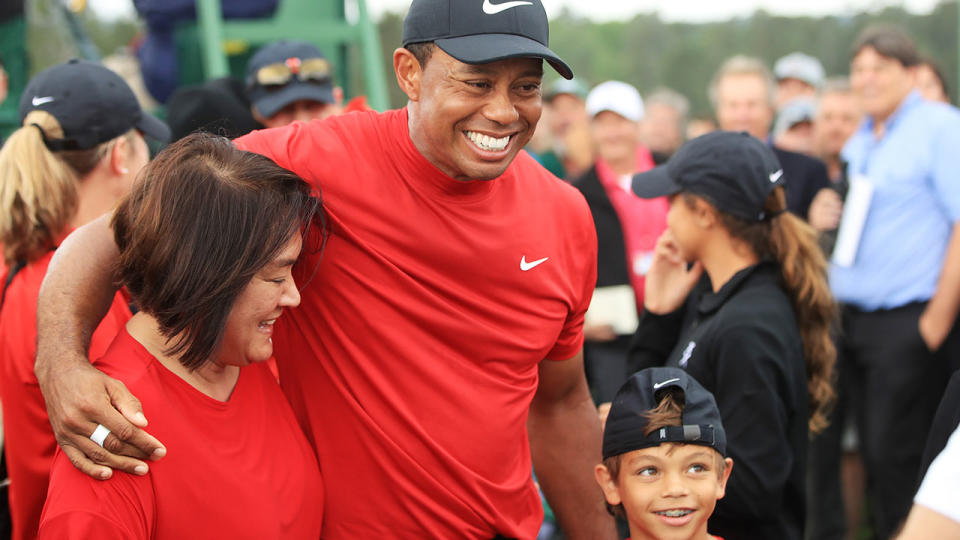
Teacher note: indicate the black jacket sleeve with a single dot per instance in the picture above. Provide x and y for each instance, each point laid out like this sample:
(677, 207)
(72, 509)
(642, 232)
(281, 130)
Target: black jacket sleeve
(655, 338)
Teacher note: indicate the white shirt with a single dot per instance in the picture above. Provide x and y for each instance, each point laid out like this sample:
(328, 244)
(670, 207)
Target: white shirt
(938, 492)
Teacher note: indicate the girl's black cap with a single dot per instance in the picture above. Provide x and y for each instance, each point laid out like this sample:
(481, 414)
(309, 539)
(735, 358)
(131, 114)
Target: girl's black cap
(91, 103)
(483, 31)
(735, 171)
(641, 394)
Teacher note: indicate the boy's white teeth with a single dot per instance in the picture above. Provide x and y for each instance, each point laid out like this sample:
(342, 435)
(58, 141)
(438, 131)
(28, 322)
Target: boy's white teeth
(675, 513)
(486, 142)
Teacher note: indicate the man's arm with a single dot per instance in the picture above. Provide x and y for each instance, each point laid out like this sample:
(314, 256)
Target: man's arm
(75, 295)
(565, 444)
(941, 312)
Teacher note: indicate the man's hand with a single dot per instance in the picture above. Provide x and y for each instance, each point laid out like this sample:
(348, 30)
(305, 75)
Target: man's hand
(825, 210)
(76, 293)
(933, 329)
(80, 397)
(668, 281)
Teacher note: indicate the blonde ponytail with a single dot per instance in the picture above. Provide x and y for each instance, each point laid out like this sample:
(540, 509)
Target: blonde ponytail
(38, 194)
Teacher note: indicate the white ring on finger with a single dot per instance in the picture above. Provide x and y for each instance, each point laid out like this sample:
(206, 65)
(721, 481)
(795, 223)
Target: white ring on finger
(99, 435)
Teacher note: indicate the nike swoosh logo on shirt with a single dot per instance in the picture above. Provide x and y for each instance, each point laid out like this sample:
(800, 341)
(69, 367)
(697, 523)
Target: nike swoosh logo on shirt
(776, 176)
(659, 384)
(524, 265)
(492, 9)
(38, 101)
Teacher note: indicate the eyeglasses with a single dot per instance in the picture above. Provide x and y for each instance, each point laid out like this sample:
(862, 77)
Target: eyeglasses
(307, 69)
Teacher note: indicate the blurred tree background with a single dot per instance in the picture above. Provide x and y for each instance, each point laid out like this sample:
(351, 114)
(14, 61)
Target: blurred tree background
(648, 52)
(645, 50)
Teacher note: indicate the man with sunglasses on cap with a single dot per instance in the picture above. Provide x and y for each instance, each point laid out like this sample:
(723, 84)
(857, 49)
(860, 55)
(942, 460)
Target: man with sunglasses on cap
(289, 81)
(439, 347)
(286, 81)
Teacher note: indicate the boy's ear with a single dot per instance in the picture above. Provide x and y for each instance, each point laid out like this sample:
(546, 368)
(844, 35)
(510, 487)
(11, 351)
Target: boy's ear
(608, 484)
(722, 485)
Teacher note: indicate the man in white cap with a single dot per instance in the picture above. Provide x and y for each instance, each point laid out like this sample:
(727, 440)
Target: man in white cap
(627, 230)
(437, 355)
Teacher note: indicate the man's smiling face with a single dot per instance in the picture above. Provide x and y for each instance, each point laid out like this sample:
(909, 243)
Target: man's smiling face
(469, 120)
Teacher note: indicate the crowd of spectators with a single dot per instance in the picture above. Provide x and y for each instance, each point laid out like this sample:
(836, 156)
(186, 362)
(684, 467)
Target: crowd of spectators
(832, 421)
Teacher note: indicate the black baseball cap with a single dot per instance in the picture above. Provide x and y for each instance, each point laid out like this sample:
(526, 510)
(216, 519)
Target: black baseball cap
(642, 393)
(270, 99)
(478, 32)
(91, 103)
(734, 170)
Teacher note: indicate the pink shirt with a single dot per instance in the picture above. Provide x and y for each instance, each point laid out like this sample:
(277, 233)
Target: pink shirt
(642, 220)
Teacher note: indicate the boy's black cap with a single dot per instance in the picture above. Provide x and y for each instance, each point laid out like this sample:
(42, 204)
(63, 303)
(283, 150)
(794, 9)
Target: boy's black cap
(482, 31)
(642, 393)
(735, 171)
(91, 103)
(269, 100)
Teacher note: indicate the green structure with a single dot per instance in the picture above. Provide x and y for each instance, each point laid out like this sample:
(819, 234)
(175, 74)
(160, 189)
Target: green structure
(321, 22)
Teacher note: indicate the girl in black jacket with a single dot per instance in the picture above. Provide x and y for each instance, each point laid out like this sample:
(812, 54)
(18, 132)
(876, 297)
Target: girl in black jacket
(737, 296)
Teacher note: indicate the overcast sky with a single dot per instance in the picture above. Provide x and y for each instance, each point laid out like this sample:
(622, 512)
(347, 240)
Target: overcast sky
(671, 10)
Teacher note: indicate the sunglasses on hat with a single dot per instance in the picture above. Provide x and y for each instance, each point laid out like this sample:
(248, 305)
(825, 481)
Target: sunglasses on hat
(306, 70)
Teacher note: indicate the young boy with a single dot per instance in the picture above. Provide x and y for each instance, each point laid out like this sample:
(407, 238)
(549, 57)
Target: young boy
(663, 456)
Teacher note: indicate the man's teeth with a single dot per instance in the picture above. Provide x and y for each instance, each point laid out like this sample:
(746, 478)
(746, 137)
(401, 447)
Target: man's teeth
(486, 142)
(675, 513)
(267, 324)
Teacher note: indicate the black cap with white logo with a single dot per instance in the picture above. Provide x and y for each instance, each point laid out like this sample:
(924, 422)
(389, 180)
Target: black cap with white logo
(482, 31)
(735, 171)
(91, 103)
(642, 393)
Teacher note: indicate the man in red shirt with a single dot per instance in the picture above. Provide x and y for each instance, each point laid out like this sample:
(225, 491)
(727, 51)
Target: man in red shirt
(439, 344)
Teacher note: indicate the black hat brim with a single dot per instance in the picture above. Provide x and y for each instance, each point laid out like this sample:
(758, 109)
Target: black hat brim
(486, 48)
(271, 102)
(153, 127)
(654, 183)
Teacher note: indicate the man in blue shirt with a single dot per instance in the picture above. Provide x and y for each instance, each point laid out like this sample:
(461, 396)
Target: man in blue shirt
(901, 294)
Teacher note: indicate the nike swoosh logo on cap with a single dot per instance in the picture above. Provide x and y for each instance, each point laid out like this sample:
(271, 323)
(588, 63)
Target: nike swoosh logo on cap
(659, 384)
(38, 101)
(776, 176)
(524, 265)
(492, 9)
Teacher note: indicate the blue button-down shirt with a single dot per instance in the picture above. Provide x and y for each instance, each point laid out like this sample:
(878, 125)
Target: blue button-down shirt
(915, 170)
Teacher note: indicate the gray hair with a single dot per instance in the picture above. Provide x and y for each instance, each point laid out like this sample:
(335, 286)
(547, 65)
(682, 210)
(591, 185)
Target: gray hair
(742, 65)
(669, 97)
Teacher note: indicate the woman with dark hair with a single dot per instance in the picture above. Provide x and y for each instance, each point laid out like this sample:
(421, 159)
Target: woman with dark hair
(208, 239)
(757, 336)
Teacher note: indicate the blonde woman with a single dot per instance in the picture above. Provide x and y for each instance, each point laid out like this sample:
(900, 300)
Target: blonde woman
(75, 155)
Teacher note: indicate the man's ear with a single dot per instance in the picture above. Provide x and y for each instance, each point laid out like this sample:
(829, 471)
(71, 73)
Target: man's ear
(409, 73)
(608, 484)
(338, 96)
